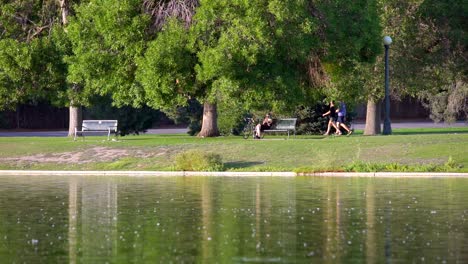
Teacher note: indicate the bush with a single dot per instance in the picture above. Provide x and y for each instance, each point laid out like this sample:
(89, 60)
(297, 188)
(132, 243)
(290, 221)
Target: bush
(310, 120)
(196, 160)
(361, 166)
(451, 165)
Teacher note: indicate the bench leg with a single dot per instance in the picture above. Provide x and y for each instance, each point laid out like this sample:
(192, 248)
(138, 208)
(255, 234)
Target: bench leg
(108, 135)
(77, 134)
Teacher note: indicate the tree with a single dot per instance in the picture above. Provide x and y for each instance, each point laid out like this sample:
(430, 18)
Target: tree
(33, 65)
(428, 57)
(437, 52)
(75, 109)
(250, 51)
(350, 42)
(30, 68)
(105, 38)
(255, 52)
(266, 55)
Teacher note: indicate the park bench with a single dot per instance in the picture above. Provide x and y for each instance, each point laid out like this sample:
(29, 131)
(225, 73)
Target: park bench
(286, 125)
(89, 126)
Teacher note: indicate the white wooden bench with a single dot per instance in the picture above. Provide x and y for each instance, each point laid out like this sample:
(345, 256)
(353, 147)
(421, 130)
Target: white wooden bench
(105, 126)
(286, 125)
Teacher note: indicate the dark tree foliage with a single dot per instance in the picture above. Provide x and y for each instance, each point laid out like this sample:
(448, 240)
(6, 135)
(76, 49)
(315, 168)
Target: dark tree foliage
(130, 120)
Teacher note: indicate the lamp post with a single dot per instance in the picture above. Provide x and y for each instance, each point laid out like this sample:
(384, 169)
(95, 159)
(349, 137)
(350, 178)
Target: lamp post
(387, 127)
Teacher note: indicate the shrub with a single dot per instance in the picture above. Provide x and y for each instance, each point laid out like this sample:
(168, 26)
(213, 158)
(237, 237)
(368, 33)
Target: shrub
(360, 166)
(310, 120)
(451, 165)
(196, 160)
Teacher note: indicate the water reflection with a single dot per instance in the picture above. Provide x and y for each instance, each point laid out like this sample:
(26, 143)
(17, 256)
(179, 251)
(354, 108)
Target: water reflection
(206, 220)
(72, 219)
(371, 234)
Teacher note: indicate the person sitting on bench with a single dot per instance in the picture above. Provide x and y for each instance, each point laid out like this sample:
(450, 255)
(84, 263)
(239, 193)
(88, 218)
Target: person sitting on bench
(264, 125)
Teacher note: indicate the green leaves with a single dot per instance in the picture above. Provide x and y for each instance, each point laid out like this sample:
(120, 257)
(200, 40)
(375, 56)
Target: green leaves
(166, 70)
(107, 37)
(256, 52)
(230, 51)
(30, 64)
(29, 71)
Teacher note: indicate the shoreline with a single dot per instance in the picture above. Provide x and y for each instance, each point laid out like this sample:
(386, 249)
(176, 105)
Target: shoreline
(233, 174)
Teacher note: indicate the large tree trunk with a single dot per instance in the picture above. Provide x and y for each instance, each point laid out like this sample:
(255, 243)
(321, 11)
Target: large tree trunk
(372, 117)
(76, 118)
(210, 121)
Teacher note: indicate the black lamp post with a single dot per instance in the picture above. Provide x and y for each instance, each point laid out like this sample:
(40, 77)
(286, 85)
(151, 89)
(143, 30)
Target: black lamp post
(387, 127)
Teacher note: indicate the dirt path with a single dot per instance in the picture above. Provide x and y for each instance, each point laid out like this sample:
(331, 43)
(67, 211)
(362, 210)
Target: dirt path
(95, 154)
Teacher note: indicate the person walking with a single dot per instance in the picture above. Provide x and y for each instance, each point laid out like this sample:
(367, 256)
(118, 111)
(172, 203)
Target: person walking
(331, 118)
(341, 119)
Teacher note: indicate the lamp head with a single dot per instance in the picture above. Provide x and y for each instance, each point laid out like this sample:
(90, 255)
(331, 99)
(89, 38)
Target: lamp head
(387, 40)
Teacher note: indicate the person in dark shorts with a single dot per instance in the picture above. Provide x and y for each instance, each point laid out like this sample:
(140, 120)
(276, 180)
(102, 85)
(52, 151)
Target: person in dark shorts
(264, 125)
(331, 119)
(341, 118)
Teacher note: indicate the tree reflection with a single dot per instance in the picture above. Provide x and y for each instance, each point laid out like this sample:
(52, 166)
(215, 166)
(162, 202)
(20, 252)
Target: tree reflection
(370, 225)
(92, 220)
(72, 219)
(259, 220)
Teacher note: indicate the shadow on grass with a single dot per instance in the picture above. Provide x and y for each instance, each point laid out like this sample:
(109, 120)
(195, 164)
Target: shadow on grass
(241, 164)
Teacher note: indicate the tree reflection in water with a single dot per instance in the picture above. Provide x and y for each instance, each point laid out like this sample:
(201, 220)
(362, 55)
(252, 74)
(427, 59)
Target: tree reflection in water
(204, 220)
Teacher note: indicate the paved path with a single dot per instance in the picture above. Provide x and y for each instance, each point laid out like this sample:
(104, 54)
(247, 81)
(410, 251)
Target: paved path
(6, 133)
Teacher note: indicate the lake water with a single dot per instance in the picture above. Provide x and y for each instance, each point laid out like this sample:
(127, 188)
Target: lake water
(232, 220)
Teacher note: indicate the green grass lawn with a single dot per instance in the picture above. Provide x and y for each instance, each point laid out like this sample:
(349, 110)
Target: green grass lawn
(405, 150)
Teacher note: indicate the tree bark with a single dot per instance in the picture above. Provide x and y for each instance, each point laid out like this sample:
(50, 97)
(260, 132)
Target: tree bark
(64, 9)
(76, 119)
(372, 118)
(210, 121)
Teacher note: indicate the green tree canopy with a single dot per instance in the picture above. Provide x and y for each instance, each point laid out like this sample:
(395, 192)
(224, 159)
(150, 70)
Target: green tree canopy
(256, 52)
(30, 64)
(246, 50)
(106, 37)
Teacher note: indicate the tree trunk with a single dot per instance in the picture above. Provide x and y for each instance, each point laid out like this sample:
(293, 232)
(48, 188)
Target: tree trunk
(64, 9)
(76, 119)
(372, 118)
(210, 121)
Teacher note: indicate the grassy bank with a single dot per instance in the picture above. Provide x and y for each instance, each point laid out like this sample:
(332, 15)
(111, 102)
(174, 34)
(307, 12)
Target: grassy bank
(405, 150)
